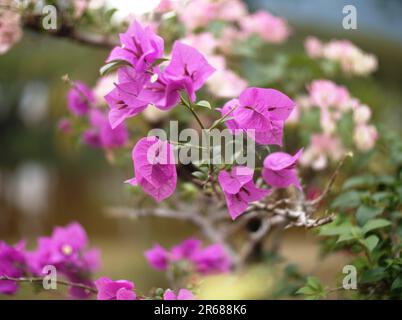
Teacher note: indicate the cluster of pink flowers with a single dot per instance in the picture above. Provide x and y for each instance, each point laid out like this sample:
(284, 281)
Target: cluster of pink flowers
(109, 289)
(209, 260)
(141, 83)
(334, 101)
(351, 59)
(239, 25)
(198, 14)
(261, 113)
(66, 249)
(10, 28)
(84, 104)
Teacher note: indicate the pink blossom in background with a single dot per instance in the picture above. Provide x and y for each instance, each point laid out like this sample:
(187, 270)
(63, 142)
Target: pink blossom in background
(80, 98)
(226, 84)
(314, 47)
(365, 137)
(140, 47)
(186, 249)
(10, 28)
(229, 38)
(101, 133)
(158, 257)
(270, 28)
(205, 42)
(109, 289)
(231, 10)
(64, 125)
(165, 6)
(154, 168)
(183, 294)
(13, 264)
(239, 189)
(322, 148)
(80, 6)
(197, 13)
(280, 169)
(361, 114)
(103, 86)
(211, 259)
(350, 58)
(325, 93)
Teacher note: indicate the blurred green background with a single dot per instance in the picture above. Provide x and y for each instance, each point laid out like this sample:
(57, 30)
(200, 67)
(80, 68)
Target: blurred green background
(46, 181)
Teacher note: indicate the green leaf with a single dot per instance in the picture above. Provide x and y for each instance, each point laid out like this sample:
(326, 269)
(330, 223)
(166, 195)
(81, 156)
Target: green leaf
(204, 104)
(375, 224)
(109, 13)
(373, 275)
(334, 230)
(371, 242)
(397, 283)
(381, 196)
(199, 175)
(366, 213)
(362, 181)
(111, 66)
(314, 282)
(348, 200)
(346, 237)
(306, 290)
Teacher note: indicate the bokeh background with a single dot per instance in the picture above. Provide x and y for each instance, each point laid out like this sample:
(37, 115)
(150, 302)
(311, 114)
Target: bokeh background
(46, 181)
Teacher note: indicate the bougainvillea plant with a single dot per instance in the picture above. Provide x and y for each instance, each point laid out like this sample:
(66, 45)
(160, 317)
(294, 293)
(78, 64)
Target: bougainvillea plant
(176, 61)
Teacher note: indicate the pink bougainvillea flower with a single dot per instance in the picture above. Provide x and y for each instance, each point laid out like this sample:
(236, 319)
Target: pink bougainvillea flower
(101, 133)
(154, 167)
(209, 260)
(132, 95)
(322, 148)
(270, 28)
(258, 106)
(226, 84)
(212, 259)
(186, 249)
(325, 93)
(13, 264)
(239, 189)
(158, 257)
(261, 113)
(313, 47)
(10, 28)
(64, 125)
(183, 294)
(80, 98)
(197, 13)
(279, 169)
(272, 136)
(140, 47)
(188, 70)
(365, 137)
(109, 289)
(67, 249)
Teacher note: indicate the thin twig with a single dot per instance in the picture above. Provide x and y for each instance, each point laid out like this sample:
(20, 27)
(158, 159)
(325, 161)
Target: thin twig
(331, 181)
(40, 280)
